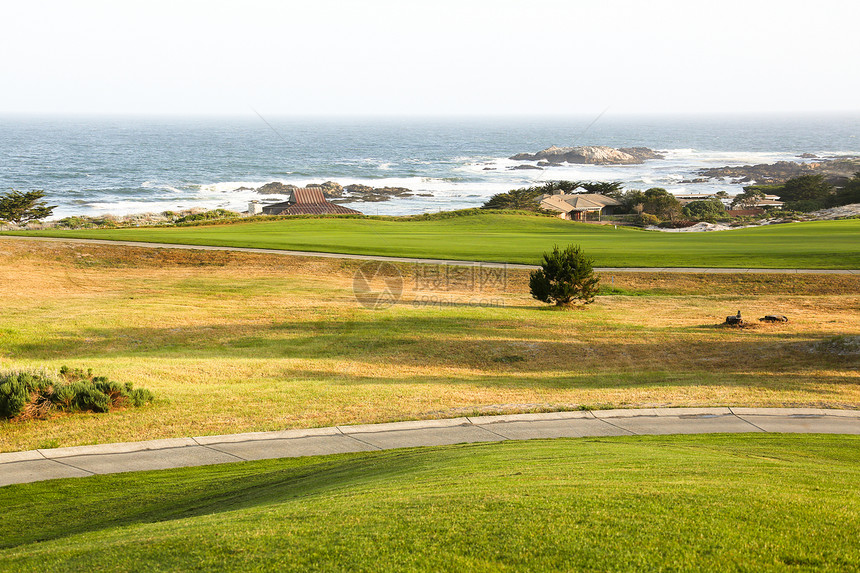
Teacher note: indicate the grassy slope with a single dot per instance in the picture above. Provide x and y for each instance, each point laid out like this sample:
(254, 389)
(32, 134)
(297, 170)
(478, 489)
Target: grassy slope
(714, 503)
(234, 342)
(521, 239)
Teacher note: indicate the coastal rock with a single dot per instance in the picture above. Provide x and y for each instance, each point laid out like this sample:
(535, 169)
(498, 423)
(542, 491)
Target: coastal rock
(591, 155)
(782, 171)
(367, 193)
(329, 188)
(276, 188)
(642, 153)
(515, 167)
(358, 189)
(808, 156)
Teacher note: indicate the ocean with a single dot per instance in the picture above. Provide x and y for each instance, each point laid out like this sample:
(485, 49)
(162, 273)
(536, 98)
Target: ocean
(122, 165)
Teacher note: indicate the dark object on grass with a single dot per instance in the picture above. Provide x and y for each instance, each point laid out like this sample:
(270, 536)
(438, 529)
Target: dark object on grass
(33, 395)
(735, 320)
(565, 277)
(774, 318)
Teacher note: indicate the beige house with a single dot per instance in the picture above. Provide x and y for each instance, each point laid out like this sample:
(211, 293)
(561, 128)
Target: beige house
(768, 202)
(577, 206)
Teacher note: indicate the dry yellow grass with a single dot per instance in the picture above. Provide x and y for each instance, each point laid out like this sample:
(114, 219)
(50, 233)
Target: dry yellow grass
(234, 342)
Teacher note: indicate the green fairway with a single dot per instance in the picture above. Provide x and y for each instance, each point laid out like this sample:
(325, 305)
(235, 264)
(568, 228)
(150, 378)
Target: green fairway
(713, 503)
(522, 239)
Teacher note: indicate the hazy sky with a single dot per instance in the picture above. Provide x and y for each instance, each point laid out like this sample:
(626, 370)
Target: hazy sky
(428, 57)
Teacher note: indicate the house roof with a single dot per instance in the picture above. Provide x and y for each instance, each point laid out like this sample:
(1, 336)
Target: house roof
(325, 208)
(767, 201)
(695, 195)
(305, 195)
(307, 202)
(577, 202)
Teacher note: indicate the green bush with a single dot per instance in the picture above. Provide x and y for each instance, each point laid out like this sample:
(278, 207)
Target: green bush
(565, 277)
(36, 393)
(805, 205)
(14, 394)
(208, 216)
(707, 210)
(18, 389)
(647, 219)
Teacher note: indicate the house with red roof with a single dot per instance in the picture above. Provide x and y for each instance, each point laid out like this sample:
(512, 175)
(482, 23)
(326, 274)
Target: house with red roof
(308, 201)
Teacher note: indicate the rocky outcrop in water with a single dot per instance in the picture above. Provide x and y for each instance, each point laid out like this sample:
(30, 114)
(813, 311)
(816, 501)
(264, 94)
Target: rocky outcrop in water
(835, 170)
(358, 192)
(642, 153)
(591, 155)
(276, 188)
(349, 194)
(329, 188)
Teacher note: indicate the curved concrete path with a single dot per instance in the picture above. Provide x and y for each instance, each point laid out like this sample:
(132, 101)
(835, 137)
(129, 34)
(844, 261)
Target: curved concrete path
(82, 461)
(452, 262)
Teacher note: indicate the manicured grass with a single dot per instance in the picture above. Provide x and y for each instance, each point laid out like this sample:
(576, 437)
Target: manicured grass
(522, 239)
(233, 342)
(684, 503)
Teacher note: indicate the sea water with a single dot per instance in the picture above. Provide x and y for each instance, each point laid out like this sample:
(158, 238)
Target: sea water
(122, 165)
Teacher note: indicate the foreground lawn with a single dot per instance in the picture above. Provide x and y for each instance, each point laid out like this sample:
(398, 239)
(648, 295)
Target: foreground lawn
(522, 239)
(233, 342)
(704, 503)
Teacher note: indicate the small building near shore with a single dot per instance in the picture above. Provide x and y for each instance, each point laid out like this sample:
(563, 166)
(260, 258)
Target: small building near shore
(307, 202)
(687, 198)
(577, 206)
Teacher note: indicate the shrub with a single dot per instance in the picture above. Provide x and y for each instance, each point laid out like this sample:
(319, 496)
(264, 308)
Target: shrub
(707, 210)
(647, 220)
(14, 394)
(565, 277)
(805, 205)
(208, 216)
(520, 199)
(34, 394)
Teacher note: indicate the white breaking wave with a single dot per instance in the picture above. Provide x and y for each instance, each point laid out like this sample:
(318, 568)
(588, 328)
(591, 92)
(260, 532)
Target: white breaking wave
(473, 180)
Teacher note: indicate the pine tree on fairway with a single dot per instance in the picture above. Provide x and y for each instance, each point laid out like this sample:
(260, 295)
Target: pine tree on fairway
(565, 278)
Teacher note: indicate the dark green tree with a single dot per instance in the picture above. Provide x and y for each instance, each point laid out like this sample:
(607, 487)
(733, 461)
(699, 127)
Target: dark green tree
(805, 188)
(848, 194)
(521, 199)
(632, 201)
(17, 207)
(660, 202)
(608, 188)
(705, 210)
(565, 278)
(563, 186)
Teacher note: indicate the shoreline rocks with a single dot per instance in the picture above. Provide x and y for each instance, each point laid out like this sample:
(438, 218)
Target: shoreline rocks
(366, 193)
(777, 173)
(591, 155)
(349, 194)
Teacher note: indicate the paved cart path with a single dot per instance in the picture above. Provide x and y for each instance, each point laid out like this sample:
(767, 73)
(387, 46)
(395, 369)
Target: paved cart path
(83, 461)
(453, 262)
